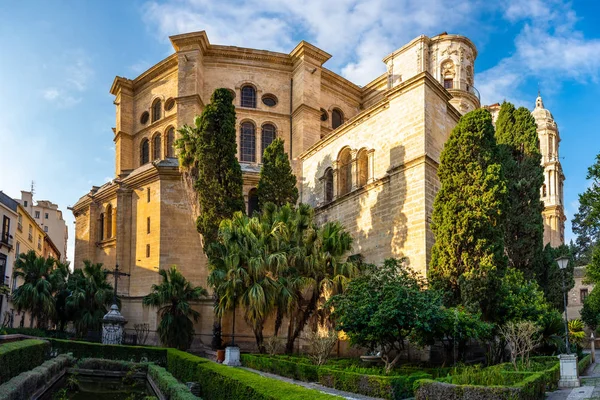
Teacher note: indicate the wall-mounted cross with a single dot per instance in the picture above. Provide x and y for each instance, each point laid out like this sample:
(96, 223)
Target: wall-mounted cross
(116, 274)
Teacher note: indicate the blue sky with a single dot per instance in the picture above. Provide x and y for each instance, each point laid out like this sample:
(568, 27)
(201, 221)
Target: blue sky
(59, 58)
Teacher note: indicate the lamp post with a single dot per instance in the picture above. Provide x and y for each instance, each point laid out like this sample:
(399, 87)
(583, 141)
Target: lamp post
(562, 262)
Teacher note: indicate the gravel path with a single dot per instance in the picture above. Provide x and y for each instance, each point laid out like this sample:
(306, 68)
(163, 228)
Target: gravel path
(314, 386)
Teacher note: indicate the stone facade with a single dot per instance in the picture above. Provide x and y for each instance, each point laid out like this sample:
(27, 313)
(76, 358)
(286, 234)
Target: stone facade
(366, 156)
(578, 293)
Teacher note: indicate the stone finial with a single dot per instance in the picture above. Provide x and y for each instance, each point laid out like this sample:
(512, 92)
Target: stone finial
(538, 102)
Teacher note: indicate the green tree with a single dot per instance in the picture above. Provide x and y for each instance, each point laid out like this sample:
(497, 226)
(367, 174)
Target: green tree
(89, 299)
(172, 297)
(550, 278)
(386, 306)
(468, 215)
(36, 292)
(277, 182)
(518, 143)
(207, 153)
(586, 222)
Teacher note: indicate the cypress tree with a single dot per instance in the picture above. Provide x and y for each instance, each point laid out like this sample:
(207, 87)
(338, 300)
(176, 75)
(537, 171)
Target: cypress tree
(277, 182)
(468, 213)
(208, 153)
(516, 135)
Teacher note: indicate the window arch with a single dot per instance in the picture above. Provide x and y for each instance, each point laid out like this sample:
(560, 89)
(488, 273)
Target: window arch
(156, 110)
(144, 152)
(269, 133)
(337, 118)
(248, 142)
(345, 172)
(156, 147)
(328, 185)
(248, 96)
(362, 163)
(101, 227)
(109, 217)
(170, 141)
(252, 201)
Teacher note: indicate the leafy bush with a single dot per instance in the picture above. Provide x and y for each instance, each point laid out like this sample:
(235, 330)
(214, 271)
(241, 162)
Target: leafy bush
(42, 333)
(23, 385)
(584, 363)
(156, 355)
(219, 382)
(168, 385)
(110, 365)
(17, 357)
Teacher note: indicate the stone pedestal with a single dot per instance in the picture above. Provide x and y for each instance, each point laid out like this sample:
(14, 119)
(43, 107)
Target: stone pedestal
(569, 376)
(113, 325)
(232, 356)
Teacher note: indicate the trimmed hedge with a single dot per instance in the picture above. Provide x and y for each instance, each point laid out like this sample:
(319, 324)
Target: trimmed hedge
(21, 356)
(102, 364)
(388, 387)
(584, 363)
(220, 382)
(157, 355)
(25, 384)
(168, 385)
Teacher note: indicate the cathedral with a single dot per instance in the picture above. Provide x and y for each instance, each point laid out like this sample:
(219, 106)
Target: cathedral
(366, 156)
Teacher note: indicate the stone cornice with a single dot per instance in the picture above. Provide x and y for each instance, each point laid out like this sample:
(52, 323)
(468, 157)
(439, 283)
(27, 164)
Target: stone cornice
(245, 54)
(374, 85)
(305, 107)
(191, 40)
(340, 86)
(120, 83)
(190, 99)
(306, 50)
(158, 69)
(455, 38)
(409, 45)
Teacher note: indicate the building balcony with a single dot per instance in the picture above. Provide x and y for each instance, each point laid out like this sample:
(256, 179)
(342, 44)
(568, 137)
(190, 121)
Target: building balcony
(6, 240)
(465, 87)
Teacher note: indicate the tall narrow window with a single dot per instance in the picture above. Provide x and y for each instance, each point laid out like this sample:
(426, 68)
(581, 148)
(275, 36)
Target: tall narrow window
(109, 218)
(147, 250)
(171, 142)
(248, 96)
(269, 133)
(337, 118)
(156, 110)
(5, 229)
(248, 142)
(156, 147)
(363, 168)
(448, 83)
(252, 201)
(345, 172)
(145, 152)
(148, 225)
(328, 185)
(148, 195)
(101, 227)
(583, 294)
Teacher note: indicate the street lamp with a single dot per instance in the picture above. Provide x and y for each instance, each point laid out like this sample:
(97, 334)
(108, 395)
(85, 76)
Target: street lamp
(562, 262)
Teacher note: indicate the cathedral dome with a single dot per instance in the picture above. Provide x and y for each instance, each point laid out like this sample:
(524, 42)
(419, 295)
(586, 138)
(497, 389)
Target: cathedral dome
(539, 112)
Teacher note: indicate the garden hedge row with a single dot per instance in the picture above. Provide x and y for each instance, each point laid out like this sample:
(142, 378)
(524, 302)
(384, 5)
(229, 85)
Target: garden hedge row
(219, 382)
(216, 381)
(168, 385)
(584, 363)
(21, 356)
(27, 383)
(388, 387)
(157, 355)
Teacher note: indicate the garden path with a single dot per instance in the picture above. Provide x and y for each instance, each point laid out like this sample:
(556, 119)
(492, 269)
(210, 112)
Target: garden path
(314, 386)
(590, 386)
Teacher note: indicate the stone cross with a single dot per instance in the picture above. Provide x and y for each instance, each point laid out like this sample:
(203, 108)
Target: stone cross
(117, 274)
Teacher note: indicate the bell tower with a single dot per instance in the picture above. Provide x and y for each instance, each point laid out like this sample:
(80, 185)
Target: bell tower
(552, 191)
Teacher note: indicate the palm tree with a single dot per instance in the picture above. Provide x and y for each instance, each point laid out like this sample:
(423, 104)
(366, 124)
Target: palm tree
(91, 294)
(172, 297)
(35, 294)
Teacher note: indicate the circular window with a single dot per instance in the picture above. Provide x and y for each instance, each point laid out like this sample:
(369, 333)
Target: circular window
(169, 104)
(324, 115)
(269, 100)
(145, 117)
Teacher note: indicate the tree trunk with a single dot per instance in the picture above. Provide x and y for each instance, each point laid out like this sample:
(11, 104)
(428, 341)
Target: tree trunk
(278, 321)
(258, 335)
(301, 322)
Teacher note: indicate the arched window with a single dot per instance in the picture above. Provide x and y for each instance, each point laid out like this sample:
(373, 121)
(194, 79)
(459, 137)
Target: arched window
(248, 142)
(156, 110)
(337, 118)
(145, 152)
(269, 133)
(252, 201)
(101, 227)
(109, 217)
(328, 184)
(171, 142)
(248, 96)
(362, 162)
(156, 147)
(345, 172)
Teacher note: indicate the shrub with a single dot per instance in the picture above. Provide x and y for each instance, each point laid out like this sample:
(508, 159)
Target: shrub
(42, 333)
(584, 363)
(168, 385)
(273, 345)
(156, 355)
(110, 365)
(320, 346)
(17, 357)
(219, 382)
(25, 384)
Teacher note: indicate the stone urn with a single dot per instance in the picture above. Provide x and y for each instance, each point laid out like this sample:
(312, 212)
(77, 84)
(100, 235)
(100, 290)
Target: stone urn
(113, 326)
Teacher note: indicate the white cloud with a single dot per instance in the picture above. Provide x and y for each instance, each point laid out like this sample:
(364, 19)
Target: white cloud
(51, 93)
(70, 80)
